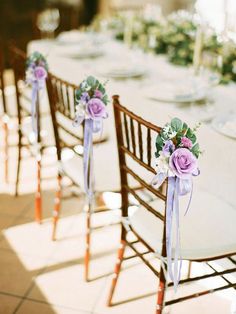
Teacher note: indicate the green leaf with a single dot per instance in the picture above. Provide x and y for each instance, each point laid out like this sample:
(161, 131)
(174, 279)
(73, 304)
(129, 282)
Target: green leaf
(191, 136)
(159, 141)
(185, 126)
(159, 145)
(91, 81)
(105, 99)
(176, 124)
(101, 88)
(196, 150)
(78, 94)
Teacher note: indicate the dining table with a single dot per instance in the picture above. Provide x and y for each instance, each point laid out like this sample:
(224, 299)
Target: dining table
(217, 163)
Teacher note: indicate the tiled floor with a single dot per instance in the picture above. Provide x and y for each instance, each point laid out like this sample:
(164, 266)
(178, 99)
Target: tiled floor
(38, 276)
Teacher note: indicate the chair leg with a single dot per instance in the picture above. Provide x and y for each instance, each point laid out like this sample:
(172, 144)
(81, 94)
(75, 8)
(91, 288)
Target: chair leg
(88, 238)
(189, 269)
(5, 126)
(116, 272)
(38, 199)
(57, 206)
(18, 166)
(161, 293)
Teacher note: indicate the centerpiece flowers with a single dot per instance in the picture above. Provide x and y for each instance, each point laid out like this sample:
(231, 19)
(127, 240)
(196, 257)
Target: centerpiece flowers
(177, 153)
(175, 36)
(91, 110)
(36, 74)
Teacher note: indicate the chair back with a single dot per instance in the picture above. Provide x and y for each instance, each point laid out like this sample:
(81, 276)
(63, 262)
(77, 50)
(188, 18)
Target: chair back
(62, 100)
(17, 62)
(2, 85)
(136, 148)
(23, 90)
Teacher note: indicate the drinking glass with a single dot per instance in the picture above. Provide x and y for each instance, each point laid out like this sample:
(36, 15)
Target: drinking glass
(47, 22)
(211, 68)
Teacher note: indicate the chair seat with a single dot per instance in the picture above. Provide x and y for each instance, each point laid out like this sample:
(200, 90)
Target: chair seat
(47, 134)
(106, 171)
(206, 231)
(11, 106)
(25, 100)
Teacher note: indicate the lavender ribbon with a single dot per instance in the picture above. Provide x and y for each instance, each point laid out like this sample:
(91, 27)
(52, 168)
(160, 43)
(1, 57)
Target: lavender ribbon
(90, 126)
(36, 86)
(176, 187)
(88, 158)
(35, 90)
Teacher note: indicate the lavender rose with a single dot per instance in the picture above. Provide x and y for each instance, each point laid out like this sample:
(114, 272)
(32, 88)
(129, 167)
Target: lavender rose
(183, 163)
(96, 108)
(40, 73)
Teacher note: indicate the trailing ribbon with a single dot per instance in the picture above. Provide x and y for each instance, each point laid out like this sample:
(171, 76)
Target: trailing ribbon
(35, 90)
(90, 126)
(176, 187)
(36, 86)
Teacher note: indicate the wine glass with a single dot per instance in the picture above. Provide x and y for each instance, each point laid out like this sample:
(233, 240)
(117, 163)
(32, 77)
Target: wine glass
(211, 68)
(208, 77)
(47, 22)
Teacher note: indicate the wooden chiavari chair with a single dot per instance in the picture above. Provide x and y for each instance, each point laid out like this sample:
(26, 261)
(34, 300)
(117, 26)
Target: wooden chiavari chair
(25, 131)
(200, 241)
(69, 143)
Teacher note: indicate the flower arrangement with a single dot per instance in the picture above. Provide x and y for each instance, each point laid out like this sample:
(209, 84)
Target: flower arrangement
(36, 68)
(91, 109)
(177, 150)
(179, 36)
(176, 155)
(175, 36)
(91, 101)
(36, 74)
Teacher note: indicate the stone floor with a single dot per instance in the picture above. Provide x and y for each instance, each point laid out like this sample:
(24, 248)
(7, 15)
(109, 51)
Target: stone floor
(40, 276)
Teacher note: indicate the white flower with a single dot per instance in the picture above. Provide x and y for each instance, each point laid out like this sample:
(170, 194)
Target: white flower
(85, 86)
(30, 75)
(168, 131)
(162, 163)
(80, 109)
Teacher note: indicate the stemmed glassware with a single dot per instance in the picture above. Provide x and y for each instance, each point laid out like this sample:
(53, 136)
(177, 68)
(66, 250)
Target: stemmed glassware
(209, 76)
(211, 68)
(47, 22)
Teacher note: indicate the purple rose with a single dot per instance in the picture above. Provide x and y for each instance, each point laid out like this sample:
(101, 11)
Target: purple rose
(168, 147)
(96, 108)
(186, 142)
(40, 73)
(183, 163)
(98, 94)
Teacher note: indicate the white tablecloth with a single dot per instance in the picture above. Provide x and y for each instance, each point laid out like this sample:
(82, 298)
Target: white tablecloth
(218, 162)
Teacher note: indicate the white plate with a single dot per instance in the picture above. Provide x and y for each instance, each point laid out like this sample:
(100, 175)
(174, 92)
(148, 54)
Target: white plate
(203, 112)
(175, 92)
(79, 52)
(76, 37)
(122, 71)
(226, 124)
